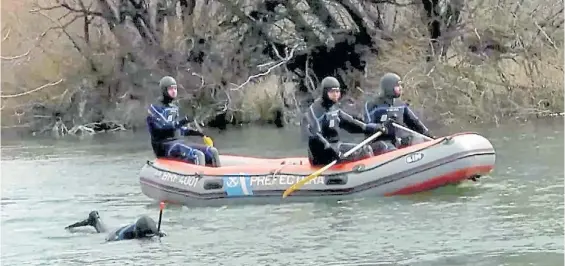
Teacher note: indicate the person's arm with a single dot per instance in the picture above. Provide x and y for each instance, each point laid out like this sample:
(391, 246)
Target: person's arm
(158, 120)
(314, 127)
(188, 131)
(352, 125)
(413, 122)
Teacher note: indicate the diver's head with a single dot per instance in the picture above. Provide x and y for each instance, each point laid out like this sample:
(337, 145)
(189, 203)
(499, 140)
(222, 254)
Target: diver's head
(145, 227)
(391, 85)
(168, 86)
(331, 91)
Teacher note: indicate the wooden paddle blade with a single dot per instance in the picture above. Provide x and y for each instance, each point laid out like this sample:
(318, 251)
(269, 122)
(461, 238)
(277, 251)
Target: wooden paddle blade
(302, 182)
(317, 173)
(208, 141)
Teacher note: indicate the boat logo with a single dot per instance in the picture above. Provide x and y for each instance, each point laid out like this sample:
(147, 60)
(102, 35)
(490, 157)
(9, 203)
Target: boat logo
(414, 157)
(232, 181)
(359, 167)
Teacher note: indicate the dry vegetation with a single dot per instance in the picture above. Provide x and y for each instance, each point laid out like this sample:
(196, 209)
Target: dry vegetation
(504, 60)
(505, 63)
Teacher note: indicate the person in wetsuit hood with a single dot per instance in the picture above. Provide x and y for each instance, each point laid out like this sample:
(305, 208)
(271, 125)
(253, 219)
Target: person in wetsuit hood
(388, 106)
(144, 227)
(323, 119)
(163, 125)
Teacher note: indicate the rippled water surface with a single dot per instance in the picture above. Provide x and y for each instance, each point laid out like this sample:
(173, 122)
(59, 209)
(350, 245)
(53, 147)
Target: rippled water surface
(513, 217)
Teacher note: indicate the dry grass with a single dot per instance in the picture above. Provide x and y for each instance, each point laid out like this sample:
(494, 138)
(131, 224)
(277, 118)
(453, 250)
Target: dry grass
(45, 60)
(465, 87)
(47, 55)
(478, 88)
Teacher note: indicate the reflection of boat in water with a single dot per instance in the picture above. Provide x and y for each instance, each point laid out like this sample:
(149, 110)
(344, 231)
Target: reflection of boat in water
(420, 167)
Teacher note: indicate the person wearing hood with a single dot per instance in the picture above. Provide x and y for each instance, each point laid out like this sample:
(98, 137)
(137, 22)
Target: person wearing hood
(322, 121)
(164, 126)
(144, 227)
(389, 106)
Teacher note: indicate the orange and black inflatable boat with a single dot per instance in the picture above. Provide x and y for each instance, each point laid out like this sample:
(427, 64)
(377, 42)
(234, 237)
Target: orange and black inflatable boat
(420, 167)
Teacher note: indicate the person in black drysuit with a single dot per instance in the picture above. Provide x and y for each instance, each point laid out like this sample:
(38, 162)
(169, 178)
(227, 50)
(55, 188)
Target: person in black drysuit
(323, 119)
(388, 106)
(144, 227)
(163, 125)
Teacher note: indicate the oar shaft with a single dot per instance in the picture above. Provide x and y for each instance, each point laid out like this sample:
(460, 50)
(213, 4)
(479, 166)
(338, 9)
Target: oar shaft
(363, 143)
(297, 185)
(411, 131)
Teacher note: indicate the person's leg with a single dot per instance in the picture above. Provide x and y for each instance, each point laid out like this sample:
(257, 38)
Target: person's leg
(182, 151)
(361, 153)
(212, 155)
(317, 155)
(382, 146)
(92, 220)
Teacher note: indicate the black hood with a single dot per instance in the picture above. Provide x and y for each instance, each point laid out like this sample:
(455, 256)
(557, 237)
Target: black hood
(164, 84)
(165, 98)
(145, 227)
(388, 82)
(327, 84)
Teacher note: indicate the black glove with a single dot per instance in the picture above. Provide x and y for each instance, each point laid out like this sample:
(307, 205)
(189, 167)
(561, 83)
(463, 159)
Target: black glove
(429, 134)
(199, 133)
(185, 120)
(372, 128)
(406, 141)
(390, 129)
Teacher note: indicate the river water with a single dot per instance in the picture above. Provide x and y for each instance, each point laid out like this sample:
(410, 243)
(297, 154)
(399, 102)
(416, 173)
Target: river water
(512, 217)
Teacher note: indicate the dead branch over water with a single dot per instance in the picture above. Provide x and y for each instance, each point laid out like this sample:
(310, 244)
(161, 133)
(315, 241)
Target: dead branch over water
(95, 63)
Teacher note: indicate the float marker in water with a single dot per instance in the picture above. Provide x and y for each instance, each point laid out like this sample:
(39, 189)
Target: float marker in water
(161, 207)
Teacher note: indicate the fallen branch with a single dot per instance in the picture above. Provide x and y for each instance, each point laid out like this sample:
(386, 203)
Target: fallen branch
(31, 91)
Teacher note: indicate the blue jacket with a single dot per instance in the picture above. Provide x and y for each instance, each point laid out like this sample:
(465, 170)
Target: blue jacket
(163, 123)
(379, 112)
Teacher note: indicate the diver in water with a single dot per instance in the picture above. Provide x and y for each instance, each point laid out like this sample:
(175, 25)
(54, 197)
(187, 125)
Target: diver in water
(163, 123)
(144, 227)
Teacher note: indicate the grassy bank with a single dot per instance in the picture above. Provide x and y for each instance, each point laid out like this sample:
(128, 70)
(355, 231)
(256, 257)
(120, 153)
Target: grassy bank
(498, 68)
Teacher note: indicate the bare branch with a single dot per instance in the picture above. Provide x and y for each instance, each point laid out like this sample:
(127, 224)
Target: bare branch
(283, 61)
(15, 57)
(7, 34)
(32, 91)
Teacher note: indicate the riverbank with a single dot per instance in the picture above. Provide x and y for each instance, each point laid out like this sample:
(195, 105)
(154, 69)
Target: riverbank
(79, 85)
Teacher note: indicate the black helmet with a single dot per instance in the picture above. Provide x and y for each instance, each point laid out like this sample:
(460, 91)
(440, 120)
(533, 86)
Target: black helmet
(164, 84)
(327, 84)
(145, 226)
(388, 84)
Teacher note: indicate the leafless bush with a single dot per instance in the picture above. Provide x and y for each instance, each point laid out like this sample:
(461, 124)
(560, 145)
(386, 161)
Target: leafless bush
(505, 61)
(96, 63)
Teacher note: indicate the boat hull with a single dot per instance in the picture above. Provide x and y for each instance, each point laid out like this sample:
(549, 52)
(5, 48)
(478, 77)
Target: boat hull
(247, 180)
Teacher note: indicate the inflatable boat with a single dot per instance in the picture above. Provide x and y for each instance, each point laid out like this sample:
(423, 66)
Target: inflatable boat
(412, 169)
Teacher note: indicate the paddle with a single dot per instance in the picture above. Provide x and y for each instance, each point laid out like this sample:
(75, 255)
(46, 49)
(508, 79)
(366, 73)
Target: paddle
(317, 173)
(411, 131)
(161, 207)
(207, 140)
